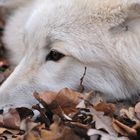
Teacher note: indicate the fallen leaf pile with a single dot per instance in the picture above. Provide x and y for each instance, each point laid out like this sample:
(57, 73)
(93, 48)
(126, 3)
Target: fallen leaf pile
(68, 115)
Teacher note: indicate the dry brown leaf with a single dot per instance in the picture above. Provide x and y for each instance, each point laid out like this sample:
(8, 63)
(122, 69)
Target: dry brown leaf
(123, 129)
(107, 108)
(103, 122)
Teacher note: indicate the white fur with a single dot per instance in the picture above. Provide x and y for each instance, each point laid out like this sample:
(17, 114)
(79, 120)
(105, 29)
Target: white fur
(103, 36)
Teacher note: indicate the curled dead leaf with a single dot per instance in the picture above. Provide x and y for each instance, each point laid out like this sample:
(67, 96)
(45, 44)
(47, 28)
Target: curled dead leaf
(123, 129)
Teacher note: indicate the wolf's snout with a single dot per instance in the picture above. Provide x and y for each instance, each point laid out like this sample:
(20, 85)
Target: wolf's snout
(16, 94)
(18, 88)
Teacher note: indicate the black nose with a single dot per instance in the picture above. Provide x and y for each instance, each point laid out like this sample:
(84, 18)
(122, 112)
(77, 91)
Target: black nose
(1, 31)
(1, 111)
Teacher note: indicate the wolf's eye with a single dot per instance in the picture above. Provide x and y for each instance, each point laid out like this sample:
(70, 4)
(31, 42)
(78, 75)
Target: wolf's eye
(54, 56)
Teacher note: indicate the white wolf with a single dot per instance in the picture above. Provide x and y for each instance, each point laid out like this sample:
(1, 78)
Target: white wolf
(52, 41)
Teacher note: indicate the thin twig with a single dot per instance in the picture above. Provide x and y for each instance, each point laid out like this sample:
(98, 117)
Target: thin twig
(81, 88)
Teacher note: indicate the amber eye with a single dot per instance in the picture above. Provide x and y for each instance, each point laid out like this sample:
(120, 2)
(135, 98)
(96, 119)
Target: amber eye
(54, 56)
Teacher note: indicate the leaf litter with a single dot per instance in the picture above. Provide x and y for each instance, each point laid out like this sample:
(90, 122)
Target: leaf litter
(66, 116)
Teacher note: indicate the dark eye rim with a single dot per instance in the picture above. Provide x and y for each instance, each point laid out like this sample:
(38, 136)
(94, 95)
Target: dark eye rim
(54, 56)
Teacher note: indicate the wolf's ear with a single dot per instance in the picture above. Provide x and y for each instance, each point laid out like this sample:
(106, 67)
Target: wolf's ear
(128, 15)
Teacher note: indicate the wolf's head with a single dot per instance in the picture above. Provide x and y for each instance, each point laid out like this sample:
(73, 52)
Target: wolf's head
(56, 40)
